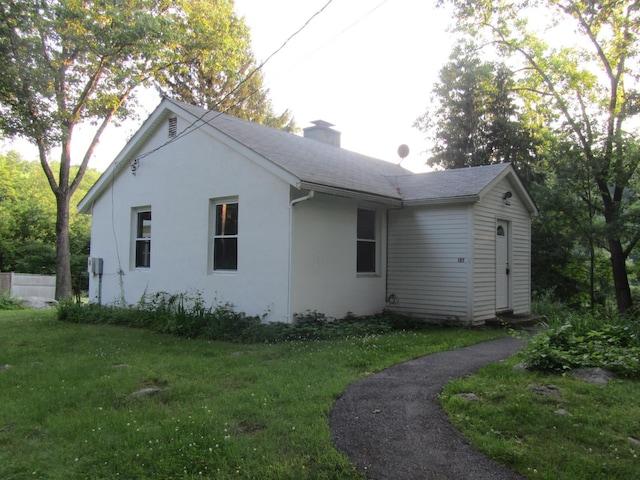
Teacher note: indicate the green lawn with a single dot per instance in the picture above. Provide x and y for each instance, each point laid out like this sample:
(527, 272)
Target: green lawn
(226, 410)
(597, 437)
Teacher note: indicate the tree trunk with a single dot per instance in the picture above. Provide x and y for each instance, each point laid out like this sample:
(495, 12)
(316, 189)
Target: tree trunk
(63, 259)
(620, 279)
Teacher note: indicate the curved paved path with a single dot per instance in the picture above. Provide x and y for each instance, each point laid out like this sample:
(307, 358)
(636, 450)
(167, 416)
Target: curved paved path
(392, 427)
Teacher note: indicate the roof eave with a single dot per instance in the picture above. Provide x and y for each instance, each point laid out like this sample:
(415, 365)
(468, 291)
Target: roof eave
(345, 192)
(132, 148)
(442, 200)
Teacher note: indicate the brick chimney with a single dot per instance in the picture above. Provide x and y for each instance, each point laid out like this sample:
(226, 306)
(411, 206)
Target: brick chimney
(322, 132)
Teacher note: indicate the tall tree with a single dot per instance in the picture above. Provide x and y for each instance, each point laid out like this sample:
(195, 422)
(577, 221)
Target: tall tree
(474, 120)
(223, 80)
(27, 221)
(580, 88)
(67, 62)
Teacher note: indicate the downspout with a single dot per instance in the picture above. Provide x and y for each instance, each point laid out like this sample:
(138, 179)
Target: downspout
(293, 202)
(390, 299)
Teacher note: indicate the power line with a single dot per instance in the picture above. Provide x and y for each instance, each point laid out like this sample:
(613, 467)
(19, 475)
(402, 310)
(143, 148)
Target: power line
(192, 126)
(342, 32)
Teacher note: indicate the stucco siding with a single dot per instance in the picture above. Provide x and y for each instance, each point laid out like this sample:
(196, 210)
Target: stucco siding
(178, 182)
(324, 276)
(429, 262)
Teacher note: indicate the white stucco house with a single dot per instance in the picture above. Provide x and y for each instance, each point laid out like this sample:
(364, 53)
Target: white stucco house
(278, 224)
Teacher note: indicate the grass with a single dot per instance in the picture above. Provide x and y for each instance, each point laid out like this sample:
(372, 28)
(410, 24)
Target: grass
(224, 410)
(521, 428)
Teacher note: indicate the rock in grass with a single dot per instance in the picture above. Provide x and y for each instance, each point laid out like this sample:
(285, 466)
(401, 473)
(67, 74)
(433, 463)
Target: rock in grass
(546, 390)
(598, 376)
(5, 367)
(146, 392)
(634, 440)
(471, 397)
(520, 367)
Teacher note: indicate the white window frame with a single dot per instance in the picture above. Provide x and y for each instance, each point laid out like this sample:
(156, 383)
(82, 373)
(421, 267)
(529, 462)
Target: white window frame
(373, 241)
(213, 234)
(136, 238)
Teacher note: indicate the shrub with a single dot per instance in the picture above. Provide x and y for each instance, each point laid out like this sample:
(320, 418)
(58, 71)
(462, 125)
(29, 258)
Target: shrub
(548, 306)
(186, 315)
(7, 302)
(587, 340)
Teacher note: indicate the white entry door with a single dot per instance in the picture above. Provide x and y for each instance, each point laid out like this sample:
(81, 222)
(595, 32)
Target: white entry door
(502, 265)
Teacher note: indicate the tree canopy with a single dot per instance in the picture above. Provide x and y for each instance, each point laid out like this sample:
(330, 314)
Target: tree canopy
(67, 62)
(575, 75)
(474, 119)
(27, 221)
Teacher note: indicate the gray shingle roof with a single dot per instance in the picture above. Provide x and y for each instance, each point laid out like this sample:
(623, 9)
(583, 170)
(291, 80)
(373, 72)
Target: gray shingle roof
(318, 163)
(311, 161)
(448, 184)
(319, 166)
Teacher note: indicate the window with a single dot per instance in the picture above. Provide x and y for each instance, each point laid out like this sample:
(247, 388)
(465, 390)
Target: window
(143, 239)
(366, 255)
(225, 238)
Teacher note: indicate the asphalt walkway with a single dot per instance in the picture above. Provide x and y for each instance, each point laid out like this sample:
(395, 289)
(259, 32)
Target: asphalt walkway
(392, 427)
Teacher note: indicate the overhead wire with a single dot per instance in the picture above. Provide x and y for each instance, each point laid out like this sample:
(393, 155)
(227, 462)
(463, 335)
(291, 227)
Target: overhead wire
(344, 30)
(192, 126)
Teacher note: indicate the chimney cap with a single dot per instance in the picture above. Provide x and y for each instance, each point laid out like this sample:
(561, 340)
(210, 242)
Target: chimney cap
(322, 123)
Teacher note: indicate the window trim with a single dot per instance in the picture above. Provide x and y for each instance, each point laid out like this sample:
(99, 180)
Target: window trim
(374, 241)
(213, 236)
(136, 239)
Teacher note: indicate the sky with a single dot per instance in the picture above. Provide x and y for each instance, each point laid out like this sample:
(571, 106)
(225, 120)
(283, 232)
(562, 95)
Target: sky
(366, 66)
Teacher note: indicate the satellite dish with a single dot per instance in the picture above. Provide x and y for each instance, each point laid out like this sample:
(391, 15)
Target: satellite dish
(403, 151)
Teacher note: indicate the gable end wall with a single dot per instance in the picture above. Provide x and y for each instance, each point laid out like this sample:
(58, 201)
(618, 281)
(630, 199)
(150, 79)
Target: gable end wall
(486, 214)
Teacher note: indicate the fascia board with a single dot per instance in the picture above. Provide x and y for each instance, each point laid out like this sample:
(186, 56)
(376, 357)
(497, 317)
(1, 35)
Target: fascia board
(343, 192)
(442, 200)
(164, 109)
(522, 191)
(257, 158)
(122, 159)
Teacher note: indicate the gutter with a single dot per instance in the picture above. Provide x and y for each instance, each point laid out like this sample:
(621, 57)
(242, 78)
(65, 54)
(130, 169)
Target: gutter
(293, 203)
(350, 193)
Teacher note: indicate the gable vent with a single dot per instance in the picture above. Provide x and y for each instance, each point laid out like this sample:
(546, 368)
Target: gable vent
(173, 127)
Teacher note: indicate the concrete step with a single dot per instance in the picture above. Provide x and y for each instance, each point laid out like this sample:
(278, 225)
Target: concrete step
(508, 319)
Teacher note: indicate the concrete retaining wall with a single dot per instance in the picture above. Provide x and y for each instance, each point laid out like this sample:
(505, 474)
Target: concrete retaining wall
(23, 285)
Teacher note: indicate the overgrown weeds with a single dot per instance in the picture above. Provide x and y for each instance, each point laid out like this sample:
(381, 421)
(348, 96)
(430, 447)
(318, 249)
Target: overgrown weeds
(7, 302)
(585, 339)
(187, 315)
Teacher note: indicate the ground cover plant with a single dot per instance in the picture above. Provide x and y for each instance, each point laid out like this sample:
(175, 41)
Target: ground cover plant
(585, 339)
(187, 315)
(222, 410)
(581, 431)
(7, 302)
(544, 422)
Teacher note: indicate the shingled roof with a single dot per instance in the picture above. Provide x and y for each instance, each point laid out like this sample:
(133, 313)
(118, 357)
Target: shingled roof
(458, 184)
(312, 161)
(317, 165)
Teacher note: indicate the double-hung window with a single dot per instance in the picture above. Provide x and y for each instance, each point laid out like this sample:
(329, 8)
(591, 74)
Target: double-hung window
(143, 238)
(225, 238)
(366, 233)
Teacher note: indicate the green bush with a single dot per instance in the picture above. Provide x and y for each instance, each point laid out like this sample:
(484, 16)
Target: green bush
(187, 316)
(587, 340)
(7, 302)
